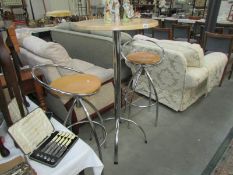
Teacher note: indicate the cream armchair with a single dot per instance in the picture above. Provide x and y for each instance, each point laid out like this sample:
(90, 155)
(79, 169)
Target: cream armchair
(34, 51)
(184, 75)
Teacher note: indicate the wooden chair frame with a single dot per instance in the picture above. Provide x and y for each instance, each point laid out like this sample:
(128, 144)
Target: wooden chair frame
(12, 82)
(167, 20)
(229, 50)
(187, 28)
(168, 30)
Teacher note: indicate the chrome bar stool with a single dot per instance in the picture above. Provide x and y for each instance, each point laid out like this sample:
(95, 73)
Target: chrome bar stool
(142, 60)
(77, 85)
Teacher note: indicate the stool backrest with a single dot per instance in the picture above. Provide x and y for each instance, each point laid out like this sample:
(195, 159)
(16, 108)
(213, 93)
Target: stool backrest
(162, 33)
(218, 43)
(181, 31)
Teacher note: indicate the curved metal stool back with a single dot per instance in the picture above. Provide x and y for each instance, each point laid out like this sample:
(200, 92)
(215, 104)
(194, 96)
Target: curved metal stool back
(142, 60)
(78, 98)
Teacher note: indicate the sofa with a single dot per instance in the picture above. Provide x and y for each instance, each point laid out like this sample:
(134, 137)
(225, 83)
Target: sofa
(34, 51)
(185, 73)
(95, 47)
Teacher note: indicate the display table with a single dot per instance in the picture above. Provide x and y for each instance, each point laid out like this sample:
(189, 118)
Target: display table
(134, 24)
(180, 20)
(79, 157)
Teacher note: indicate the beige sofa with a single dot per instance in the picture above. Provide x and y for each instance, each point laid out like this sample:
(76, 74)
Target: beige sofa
(184, 75)
(34, 50)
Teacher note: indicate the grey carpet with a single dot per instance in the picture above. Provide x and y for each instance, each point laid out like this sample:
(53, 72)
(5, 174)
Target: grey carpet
(182, 144)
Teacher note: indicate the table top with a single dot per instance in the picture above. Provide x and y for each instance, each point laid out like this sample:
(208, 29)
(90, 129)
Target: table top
(134, 24)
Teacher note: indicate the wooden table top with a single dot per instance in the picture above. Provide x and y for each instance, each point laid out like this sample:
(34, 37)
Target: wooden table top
(134, 24)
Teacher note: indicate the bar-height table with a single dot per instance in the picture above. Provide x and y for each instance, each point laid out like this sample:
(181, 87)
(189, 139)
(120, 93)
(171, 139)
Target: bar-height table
(134, 24)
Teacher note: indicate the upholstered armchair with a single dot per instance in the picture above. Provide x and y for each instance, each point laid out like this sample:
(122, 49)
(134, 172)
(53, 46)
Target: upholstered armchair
(184, 75)
(34, 51)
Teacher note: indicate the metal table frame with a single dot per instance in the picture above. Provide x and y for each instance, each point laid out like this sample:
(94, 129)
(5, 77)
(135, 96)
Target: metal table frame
(116, 29)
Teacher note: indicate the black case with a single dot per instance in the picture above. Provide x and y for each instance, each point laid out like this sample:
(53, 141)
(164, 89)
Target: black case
(33, 132)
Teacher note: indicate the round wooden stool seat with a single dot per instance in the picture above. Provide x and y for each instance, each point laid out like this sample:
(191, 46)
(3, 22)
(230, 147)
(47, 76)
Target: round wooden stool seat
(77, 84)
(143, 57)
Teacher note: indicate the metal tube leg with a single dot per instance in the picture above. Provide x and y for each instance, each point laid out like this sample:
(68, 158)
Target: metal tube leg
(143, 132)
(156, 96)
(128, 86)
(92, 127)
(134, 85)
(96, 123)
(229, 77)
(70, 111)
(100, 118)
(117, 86)
(150, 91)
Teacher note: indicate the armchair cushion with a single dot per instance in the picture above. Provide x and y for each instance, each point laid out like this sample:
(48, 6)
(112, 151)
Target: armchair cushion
(54, 51)
(48, 50)
(29, 58)
(31, 43)
(85, 67)
(215, 63)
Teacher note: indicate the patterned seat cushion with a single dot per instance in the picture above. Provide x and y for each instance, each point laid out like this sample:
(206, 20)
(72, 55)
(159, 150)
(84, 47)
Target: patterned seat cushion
(215, 63)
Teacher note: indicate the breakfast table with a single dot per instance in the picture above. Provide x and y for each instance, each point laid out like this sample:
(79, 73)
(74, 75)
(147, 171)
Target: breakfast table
(116, 28)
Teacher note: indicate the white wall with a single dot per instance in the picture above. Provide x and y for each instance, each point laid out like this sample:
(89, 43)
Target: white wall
(57, 5)
(38, 8)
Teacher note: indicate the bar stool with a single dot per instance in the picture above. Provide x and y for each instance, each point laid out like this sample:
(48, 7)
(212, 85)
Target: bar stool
(142, 60)
(78, 86)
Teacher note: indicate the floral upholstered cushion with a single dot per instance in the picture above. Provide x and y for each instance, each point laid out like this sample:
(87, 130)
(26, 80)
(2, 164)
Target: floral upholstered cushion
(215, 63)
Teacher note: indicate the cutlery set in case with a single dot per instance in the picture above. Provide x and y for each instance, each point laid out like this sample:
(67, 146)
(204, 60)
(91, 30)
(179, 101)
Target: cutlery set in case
(35, 135)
